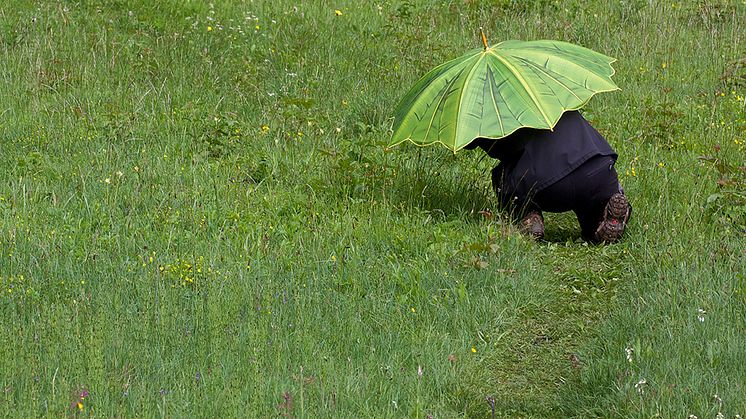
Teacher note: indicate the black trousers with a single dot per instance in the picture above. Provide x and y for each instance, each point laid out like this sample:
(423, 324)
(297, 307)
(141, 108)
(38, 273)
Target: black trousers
(585, 191)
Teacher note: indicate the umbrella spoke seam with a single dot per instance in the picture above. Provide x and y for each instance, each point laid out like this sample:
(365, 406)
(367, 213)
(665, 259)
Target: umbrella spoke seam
(429, 77)
(524, 84)
(585, 82)
(546, 73)
(465, 83)
(572, 54)
(448, 86)
(491, 83)
(429, 105)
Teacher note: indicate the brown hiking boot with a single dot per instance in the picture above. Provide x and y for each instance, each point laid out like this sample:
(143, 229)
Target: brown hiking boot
(615, 217)
(533, 225)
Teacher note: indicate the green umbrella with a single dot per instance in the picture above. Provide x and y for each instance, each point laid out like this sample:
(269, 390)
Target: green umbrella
(494, 91)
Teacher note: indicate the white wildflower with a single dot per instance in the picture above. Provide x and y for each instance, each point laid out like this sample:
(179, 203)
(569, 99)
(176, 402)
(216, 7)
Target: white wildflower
(640, 384)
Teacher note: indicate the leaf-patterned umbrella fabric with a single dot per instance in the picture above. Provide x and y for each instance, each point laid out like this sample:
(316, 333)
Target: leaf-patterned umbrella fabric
(491, 92)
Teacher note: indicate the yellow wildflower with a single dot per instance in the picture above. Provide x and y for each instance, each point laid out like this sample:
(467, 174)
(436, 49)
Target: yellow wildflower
(338, 12)
(209, 29)
(473, 350)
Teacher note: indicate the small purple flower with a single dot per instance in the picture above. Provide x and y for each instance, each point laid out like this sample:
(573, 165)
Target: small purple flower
(197, 376)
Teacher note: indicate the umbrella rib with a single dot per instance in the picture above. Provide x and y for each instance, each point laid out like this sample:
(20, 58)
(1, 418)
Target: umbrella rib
(517, 117)
(540, 68)
(427, 108)
(574, 55)
(494, 102)
(446, 92)
(524, 84)
(411, 99)
(461, 97)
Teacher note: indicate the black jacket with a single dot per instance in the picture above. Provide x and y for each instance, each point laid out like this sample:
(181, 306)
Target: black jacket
(533, 159)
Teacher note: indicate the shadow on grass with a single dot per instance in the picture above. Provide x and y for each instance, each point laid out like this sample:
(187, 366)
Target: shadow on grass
(445, 185)
(561, 227)
(438, 183)
(449, 199)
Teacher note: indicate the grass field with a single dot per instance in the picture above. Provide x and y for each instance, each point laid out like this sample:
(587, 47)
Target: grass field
(198, 217)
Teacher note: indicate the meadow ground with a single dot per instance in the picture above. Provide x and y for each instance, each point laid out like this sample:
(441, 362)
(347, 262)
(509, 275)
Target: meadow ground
(198, 217)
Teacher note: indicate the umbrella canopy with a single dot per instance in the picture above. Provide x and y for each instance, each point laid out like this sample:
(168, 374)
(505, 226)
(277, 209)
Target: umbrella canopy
(491, 92)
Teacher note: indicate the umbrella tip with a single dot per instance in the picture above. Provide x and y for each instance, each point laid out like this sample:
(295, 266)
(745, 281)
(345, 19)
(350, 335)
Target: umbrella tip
(484, 38)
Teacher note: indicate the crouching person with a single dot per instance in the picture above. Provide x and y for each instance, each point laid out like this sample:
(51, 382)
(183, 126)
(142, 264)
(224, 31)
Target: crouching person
(569, 168)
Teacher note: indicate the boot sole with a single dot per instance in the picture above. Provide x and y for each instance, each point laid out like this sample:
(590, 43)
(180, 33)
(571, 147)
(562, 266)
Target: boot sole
(616, 215)
(534, 229)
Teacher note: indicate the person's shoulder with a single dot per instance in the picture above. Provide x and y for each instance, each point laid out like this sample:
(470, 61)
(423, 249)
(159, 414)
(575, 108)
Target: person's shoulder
(573, 115)
(571, 120)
